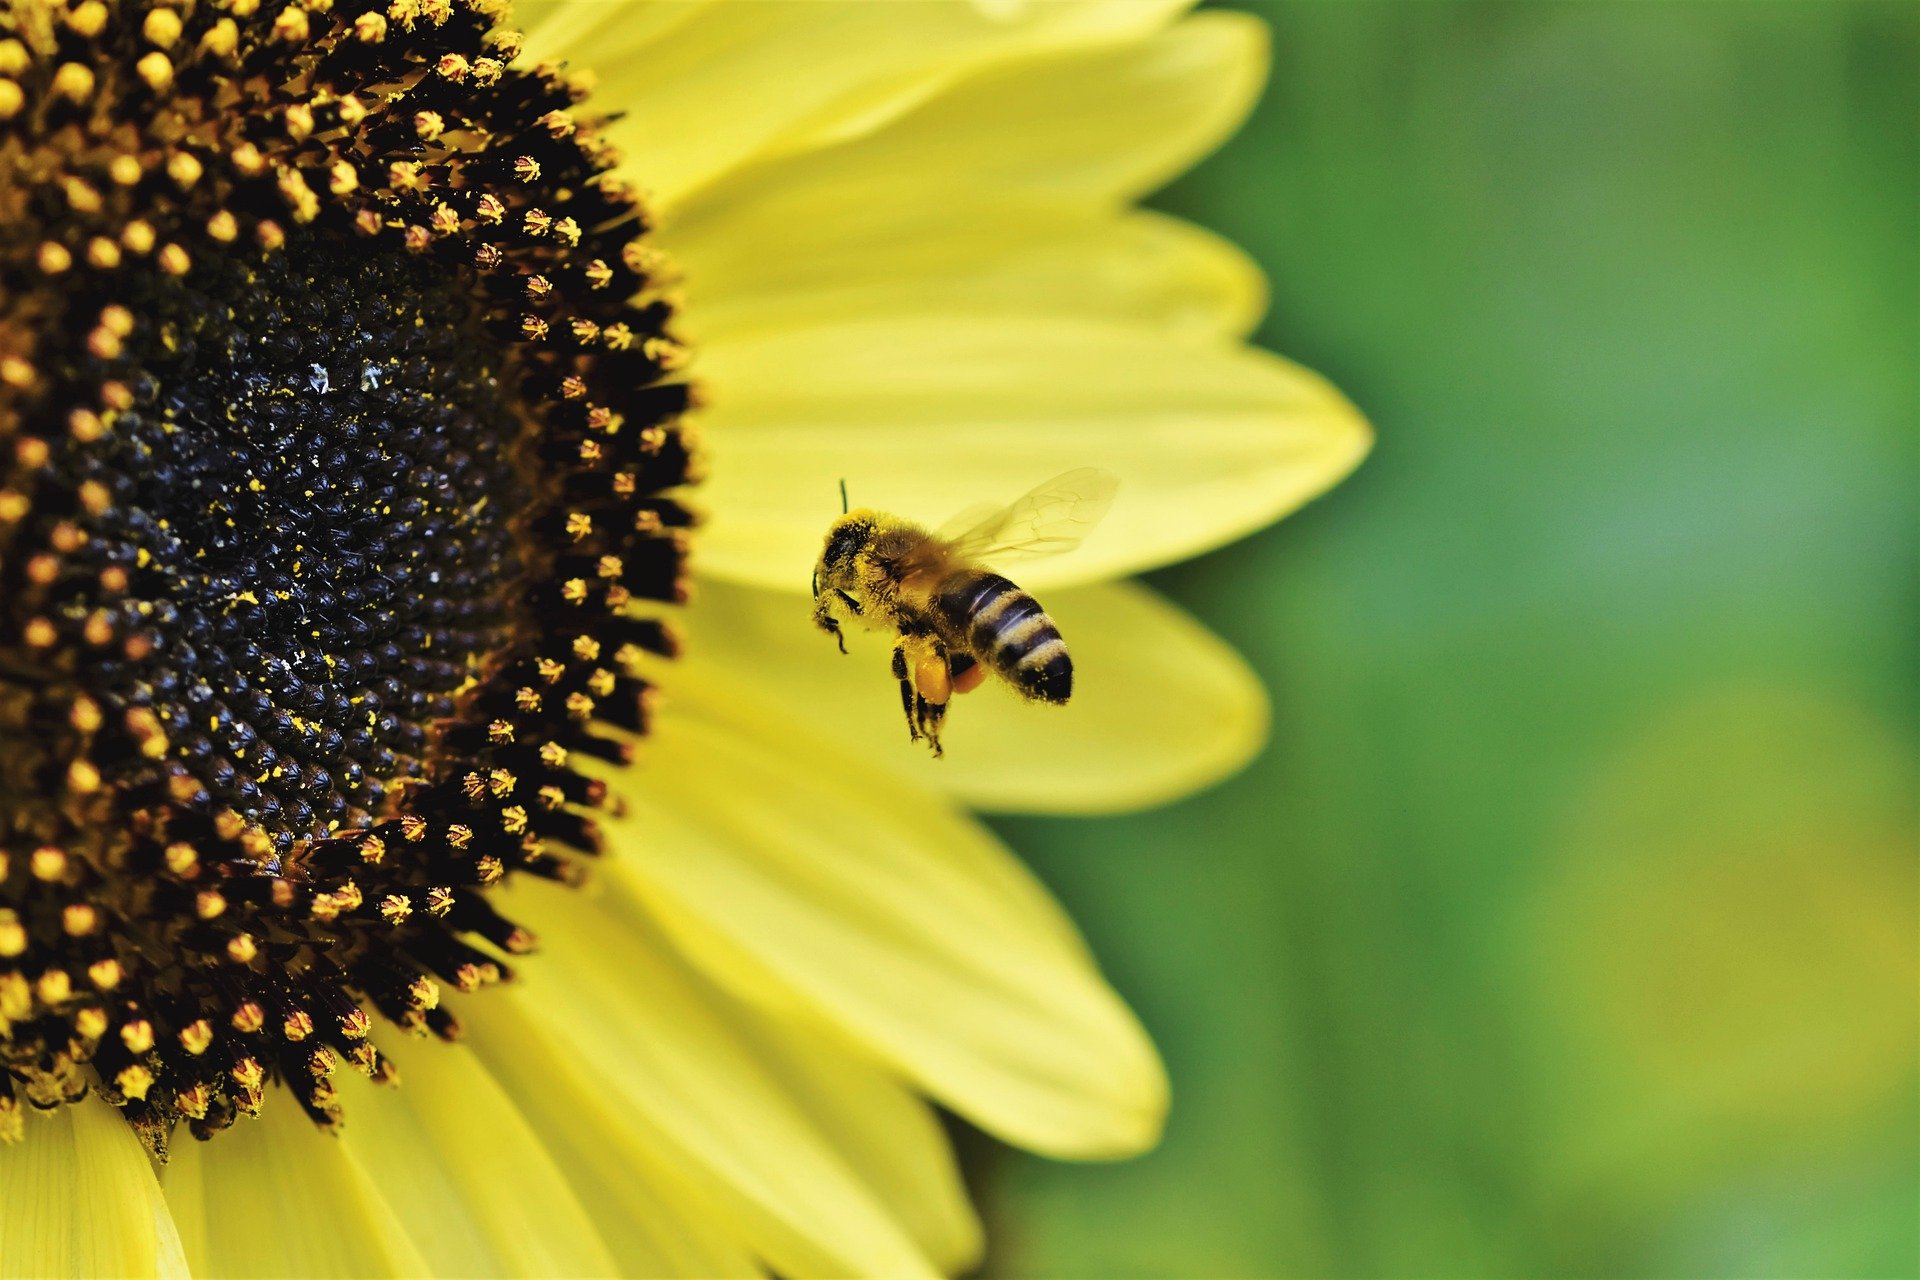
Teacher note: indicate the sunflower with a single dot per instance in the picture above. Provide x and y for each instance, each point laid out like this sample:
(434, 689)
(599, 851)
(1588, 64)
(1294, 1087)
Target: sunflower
(352, 355)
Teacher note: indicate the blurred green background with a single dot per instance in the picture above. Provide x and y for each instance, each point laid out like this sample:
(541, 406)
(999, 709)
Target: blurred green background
(1568, 926)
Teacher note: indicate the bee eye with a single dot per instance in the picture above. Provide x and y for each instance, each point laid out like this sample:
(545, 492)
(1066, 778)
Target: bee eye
(843, 544)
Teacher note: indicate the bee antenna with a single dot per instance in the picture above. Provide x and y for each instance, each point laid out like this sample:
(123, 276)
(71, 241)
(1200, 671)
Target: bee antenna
(843, 495)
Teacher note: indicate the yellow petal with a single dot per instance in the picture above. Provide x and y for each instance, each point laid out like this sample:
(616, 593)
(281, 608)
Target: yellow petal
(457, 1162)
(1088, 123)
(620, 1004)
(887, 1134)
(652, 1223)
(584, 33)
(820, 254)
(925, 416)
(707, 89)
(1160, 706)
(78, 1198)
(801, 872)
(280, 1198)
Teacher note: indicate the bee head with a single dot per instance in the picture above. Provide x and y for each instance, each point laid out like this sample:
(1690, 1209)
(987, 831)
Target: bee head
(845, 540)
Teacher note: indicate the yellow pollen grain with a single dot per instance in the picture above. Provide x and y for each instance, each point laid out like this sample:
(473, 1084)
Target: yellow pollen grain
(138, 237)
(13, 934)
(196, 1037)
(54, 258)
(162, 27)
(291, 26)
(88, 19)
(175, 261)
(134, 1081)
(12, 98)
(221, 39)
(55, 986)
(85, 715)
(73, 81)
(184, 168)
(298, 195)
(90, 1023)
(102, 254)
(137, 1035)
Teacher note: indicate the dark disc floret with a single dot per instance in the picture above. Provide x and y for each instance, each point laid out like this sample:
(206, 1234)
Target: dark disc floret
(339, 435)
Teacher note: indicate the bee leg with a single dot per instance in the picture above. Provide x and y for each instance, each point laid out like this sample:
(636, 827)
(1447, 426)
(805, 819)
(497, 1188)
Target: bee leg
(932, 715)
(907, 696)
(934, 686)
(824, 619)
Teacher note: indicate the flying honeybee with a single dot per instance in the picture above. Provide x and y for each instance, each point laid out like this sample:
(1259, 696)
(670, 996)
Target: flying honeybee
(954, 620)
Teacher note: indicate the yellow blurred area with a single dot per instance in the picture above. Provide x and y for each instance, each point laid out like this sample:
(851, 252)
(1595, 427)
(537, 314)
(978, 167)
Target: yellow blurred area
(1722, 946)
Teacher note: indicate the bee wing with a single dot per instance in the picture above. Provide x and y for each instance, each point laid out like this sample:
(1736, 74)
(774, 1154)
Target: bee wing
(1055, 517)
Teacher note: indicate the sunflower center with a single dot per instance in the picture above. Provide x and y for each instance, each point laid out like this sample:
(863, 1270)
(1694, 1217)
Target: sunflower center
(339, 450)
(311, 502)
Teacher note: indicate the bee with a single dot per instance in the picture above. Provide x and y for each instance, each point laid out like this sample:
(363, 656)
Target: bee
(953, 620)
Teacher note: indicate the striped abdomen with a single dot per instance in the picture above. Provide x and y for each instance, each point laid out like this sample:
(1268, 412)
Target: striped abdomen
(1006, 628)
